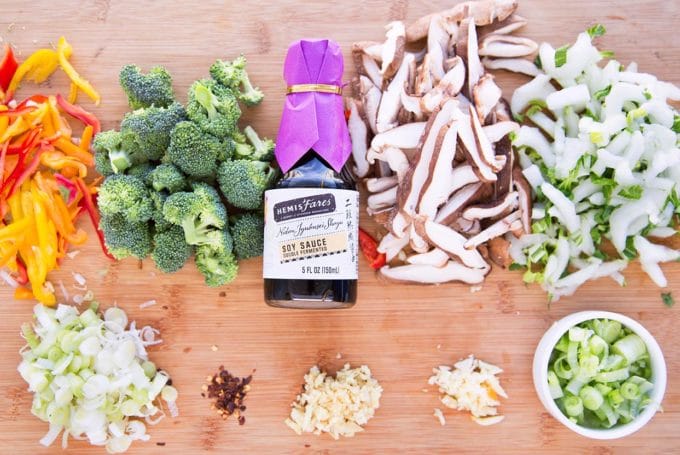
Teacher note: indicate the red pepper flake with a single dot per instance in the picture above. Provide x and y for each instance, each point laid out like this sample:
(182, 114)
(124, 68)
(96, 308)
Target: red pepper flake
(369, 247)
(229, 393)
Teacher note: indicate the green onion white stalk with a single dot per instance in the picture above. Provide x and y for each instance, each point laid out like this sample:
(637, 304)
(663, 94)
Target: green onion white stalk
(91, 377)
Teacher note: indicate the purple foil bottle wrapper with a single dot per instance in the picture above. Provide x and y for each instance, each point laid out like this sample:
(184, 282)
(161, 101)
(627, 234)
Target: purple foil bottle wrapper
(313, 120)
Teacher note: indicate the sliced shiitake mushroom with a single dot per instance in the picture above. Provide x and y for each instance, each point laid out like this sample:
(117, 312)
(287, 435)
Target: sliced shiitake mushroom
(393, 156)
(378, 184)
(391, 98)
(492, 210)
(447, 239)
(497, 229)
(370, 100)
(392, 52)
(484, 12)
(525, 200)
(434, 258)
(403, 137)
(515, 65)
(358, 133)
(486, 95)
(411, 188)
(384, 199)
(507, 46)
(507, 26)
(427, 274)
(437, 40)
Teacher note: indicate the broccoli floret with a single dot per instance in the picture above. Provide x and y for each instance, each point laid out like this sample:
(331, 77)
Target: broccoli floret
(111, 156)
(194, 151)
(167, 177)
(146, 131)
(124, 239)
(158, 199)
(217, 263)
(234, 75)
(201, 215)
(144, 90)
(257, 150)
(213, 107)
(247, 230)
(170, 251)
(141, 171)
(127, 196)
(215, 213)
(243, 182)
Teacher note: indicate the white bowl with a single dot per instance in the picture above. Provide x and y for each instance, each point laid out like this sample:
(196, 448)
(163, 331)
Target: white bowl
(540, 371)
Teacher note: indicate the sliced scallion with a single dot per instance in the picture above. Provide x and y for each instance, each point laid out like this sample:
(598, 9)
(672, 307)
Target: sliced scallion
(599, 374)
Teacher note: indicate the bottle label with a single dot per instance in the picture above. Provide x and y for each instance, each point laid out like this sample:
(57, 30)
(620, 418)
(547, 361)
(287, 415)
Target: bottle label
(311, 233)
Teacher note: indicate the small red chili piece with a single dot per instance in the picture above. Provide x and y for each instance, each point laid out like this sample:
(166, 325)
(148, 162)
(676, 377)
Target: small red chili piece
(369, 247)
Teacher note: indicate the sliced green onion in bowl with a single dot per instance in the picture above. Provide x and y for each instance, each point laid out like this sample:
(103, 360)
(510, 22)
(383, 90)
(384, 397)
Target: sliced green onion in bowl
(604, 377)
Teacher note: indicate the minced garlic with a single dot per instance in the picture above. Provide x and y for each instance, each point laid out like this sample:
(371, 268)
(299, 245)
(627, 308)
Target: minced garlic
(338, 405)
(472, 385)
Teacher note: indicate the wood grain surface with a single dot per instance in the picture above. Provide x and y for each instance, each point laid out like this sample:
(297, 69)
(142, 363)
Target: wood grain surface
(400, 331)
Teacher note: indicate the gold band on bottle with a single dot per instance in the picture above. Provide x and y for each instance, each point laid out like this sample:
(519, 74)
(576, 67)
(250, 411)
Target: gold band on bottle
(322, 88)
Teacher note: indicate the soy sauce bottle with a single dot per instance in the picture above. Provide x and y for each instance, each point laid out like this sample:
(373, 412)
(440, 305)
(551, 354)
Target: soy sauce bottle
(312, 213)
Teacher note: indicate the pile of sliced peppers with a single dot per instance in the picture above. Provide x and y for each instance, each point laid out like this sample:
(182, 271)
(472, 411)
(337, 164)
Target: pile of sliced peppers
(42, 171)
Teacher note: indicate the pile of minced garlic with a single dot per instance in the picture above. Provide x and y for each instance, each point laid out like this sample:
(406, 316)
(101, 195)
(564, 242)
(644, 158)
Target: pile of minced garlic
(471, 385)
(338, 405)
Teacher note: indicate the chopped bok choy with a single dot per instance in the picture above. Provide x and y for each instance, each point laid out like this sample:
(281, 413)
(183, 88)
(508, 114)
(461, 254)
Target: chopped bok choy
(599, 374)
(599, 146)
(91, 377)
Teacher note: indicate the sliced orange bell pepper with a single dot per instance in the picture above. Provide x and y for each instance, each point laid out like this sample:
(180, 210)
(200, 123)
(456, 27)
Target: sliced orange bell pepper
(71, 149)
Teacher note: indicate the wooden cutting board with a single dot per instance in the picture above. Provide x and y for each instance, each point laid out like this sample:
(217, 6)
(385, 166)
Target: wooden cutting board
(400, 331)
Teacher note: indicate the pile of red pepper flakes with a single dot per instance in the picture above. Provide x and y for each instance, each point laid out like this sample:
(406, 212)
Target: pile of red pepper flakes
(43, 170)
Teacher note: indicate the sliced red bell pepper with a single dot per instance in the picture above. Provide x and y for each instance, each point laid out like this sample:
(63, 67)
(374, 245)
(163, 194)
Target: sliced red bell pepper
(28, 143)
(28, 170)
(369, 247)
(18, 112)
(78, 112)
(8, 66)
(87, 203)
(3, 154)
(22, 275)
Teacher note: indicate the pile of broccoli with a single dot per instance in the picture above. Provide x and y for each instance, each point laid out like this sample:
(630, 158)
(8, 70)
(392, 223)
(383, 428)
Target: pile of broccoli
(183, 181)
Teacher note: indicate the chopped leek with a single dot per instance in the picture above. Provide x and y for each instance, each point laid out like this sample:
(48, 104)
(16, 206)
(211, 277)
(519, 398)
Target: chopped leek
(599, 374)
(91, 377)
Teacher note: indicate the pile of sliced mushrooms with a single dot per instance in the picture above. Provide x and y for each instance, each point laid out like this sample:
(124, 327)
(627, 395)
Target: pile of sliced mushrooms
(430, 133)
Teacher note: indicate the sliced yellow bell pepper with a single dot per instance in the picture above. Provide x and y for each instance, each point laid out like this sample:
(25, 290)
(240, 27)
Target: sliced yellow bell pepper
(58, 161)
(37, 67)
(73, 93)
(64, 50)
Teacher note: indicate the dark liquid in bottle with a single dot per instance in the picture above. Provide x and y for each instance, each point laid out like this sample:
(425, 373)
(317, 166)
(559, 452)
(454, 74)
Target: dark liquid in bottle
(312, 172)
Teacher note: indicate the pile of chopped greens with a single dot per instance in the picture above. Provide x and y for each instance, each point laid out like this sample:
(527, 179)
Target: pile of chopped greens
(599, 146)
(175, 173)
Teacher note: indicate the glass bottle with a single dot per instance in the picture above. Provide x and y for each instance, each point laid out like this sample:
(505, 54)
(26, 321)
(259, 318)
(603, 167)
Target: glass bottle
(312, 172)
(312, 214)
